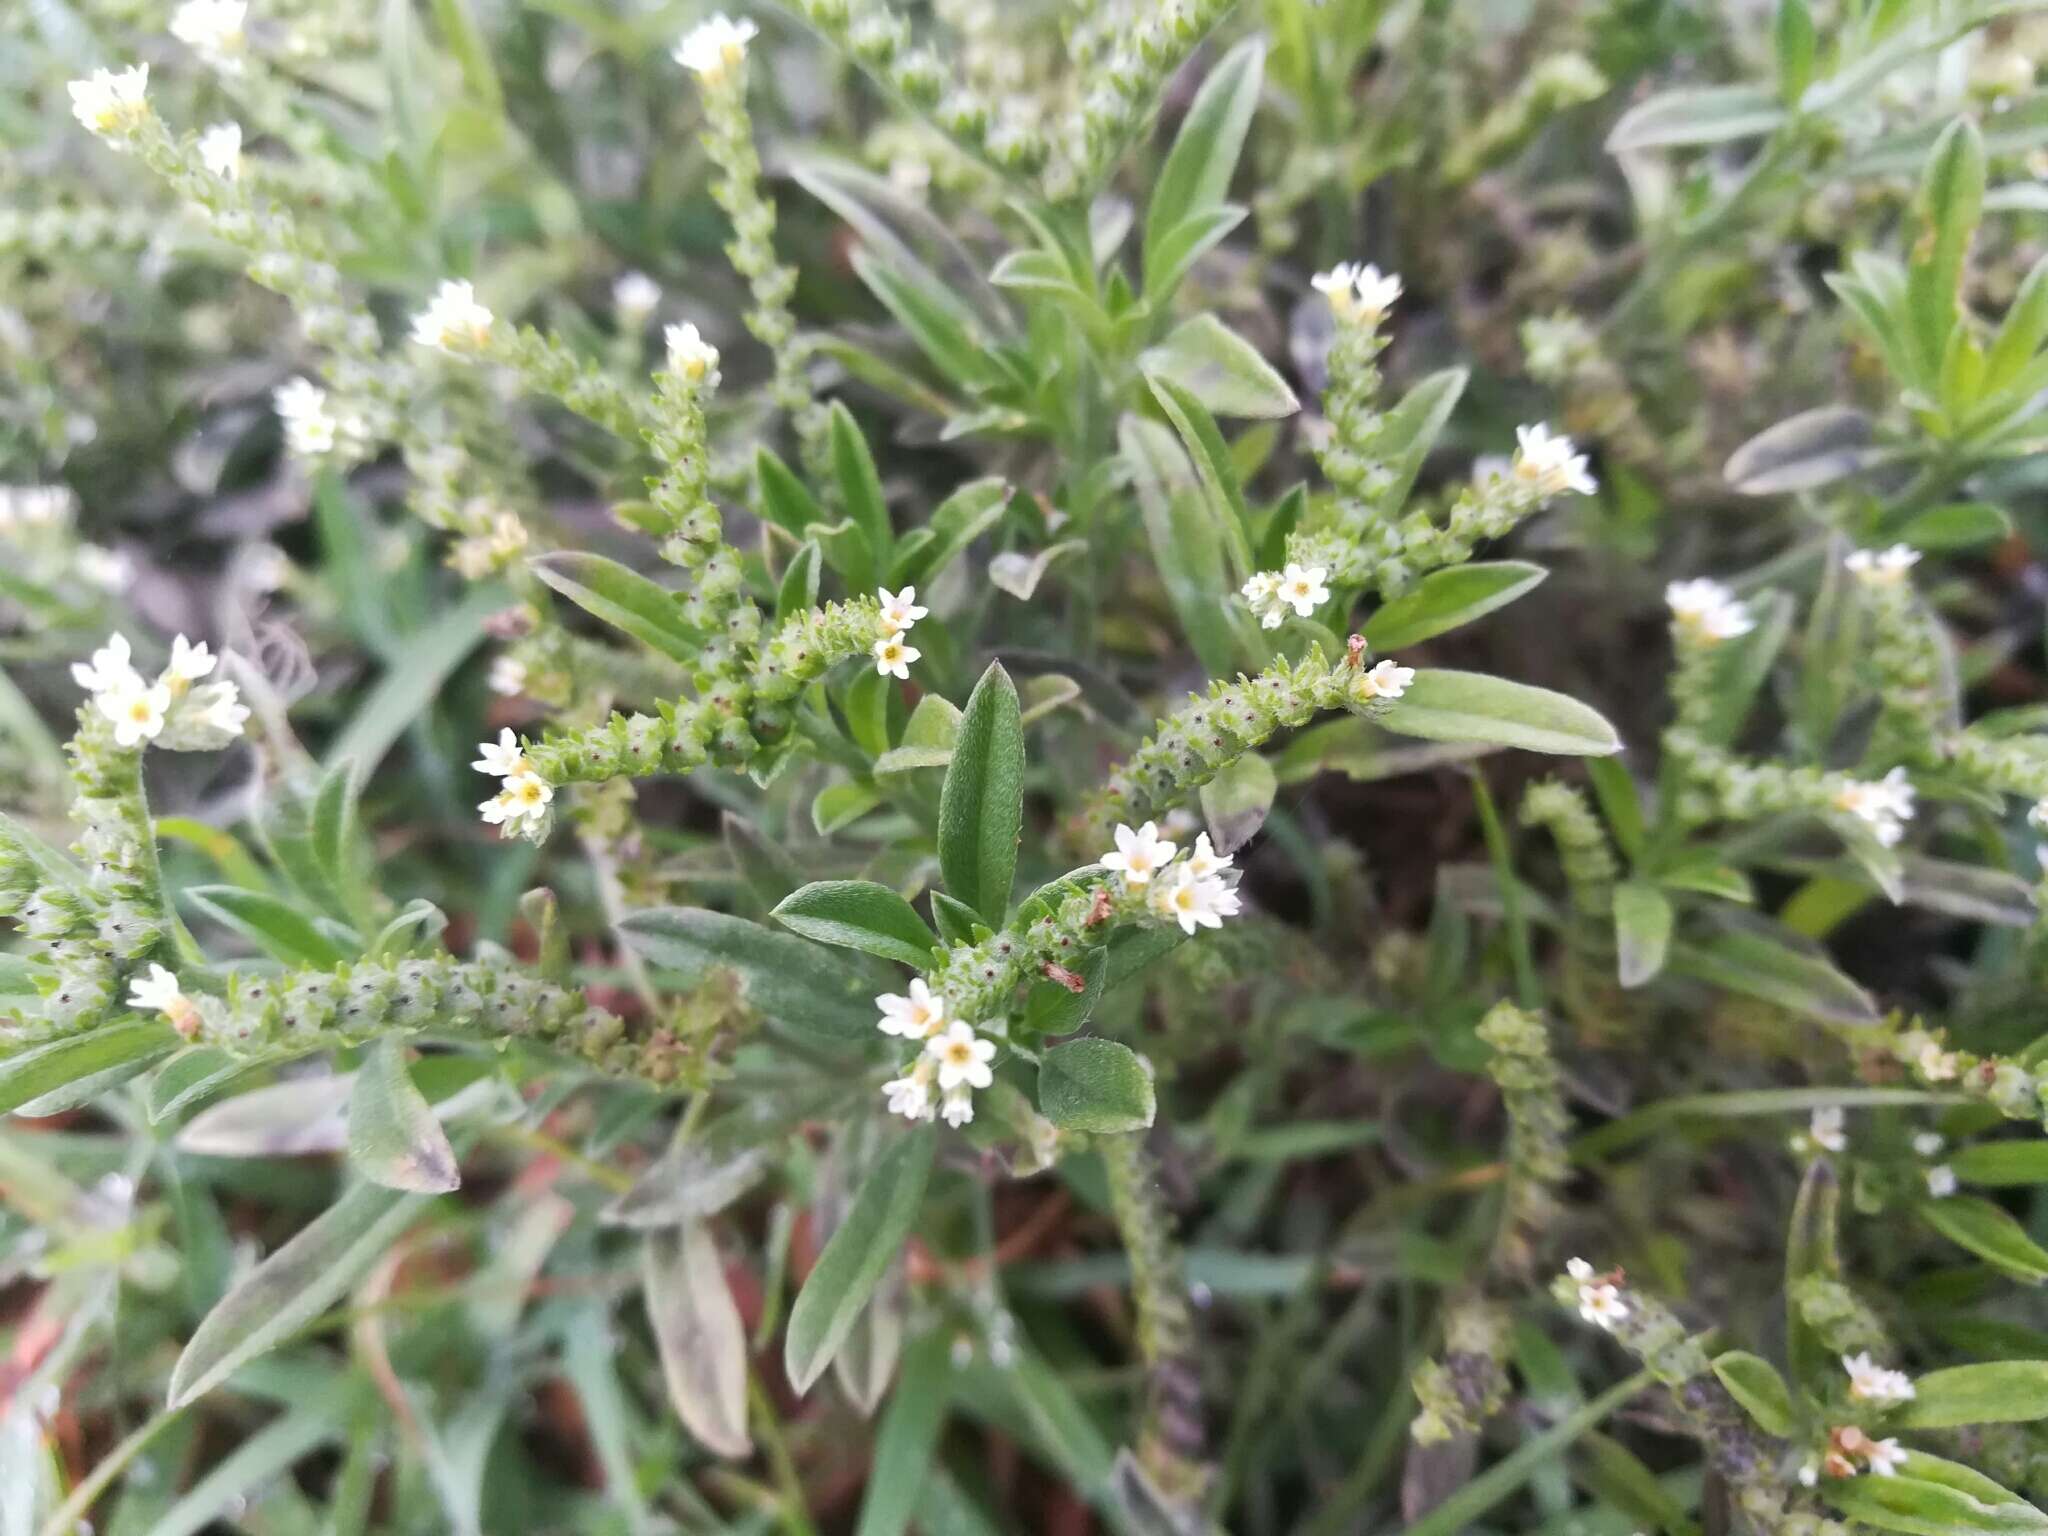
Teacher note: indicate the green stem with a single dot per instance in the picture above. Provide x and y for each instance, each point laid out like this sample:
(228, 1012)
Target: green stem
(1528, 989)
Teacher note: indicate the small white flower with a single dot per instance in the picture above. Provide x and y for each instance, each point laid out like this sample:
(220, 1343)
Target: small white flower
(1204, 860)
(1809, 1473)
(220, 150)
(1340, 286)
(159, 992)
(1376, 292)
(957, 1108)
(1882, 567)
(219, 706)
(1262, 594)
(507, 676)
(111, 667)
(1193, 903)
(963, 1056)
(911, 1094)
(309, 427)
(635, 296)
(918, 1016)
(136, 709)
(1928, 1143)
(690, 356)
(900, 610)
(526, 795)
(189, 663)
(893, 657)
(1301, 588)
(1872, 1383)
(1549, 464)
(716, 46)
(213, 29)
(496, 810)
(1885, 805)
(453, 320)
(1886, 1457)
(1579, 1270)
(1825, 1129)
(106, 569)
(1937, 1065)
(1386, 681)
(1706, 611)
(112, 104)
(1600, 1300)
(504, 757)
(2037, 817)
(1941, 1181)
(1139, 855)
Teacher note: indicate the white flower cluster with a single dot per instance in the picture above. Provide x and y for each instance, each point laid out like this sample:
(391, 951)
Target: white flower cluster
(1706, 613)
(169, 711)
(1870, 1382)
(716, 47)
(1549, 464)
(952, 1063)
(1882, 567)
(312, 427)
(523, 795)
(1358, 291)
(1198, 892)
(112, 105)
(1885, 804)
(1302, 588)
(220, 151)
(159, 992)
(892, 651)
(216, 30)
(1848, 1445)
(453, 320)
(1600, 1300)
(690, 357)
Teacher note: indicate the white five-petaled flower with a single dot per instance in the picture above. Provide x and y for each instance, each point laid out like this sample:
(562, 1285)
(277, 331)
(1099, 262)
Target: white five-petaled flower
(1941, 1181)
(1600, 1300)
(159, 992)
(1386, 681)
(635, 296)
(1181, 897)
(453, 320)
(1548, 462)
(1204, 860)
(504, 757)
(911, 1094)
(957, 1108)
(189, 663)
(963, 1056)
(1301, 588)
(507, 676)
(918, 1016)
(716, 46)
(1885, 804)
(1140, 854)
(111, 667)
(1870, 1382)
(219, 707)
(136, 709)
(524, 797)
(1882, 567)
(900, 610)
(220, 150)
(1885, 1457)
(893, 657)
(213, 29)
(1707, 612)
(310, 429)
(690, 356)
(1826, 1131)
(1358, 291)
(112, 104)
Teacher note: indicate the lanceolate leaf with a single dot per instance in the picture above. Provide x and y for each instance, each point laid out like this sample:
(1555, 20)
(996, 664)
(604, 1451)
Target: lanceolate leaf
(1469, 706)
(697, 1329)
(1996, 1392)
(1755, 1383)
(790, 980)
(859, 914)
(981, 807)
(622, 598)
(278, 926)
(853, 1261)
(1196, 176)
(1446, 599)
(1221, 369)
(1989, 1232)
(393, 1136)
(41, 1070)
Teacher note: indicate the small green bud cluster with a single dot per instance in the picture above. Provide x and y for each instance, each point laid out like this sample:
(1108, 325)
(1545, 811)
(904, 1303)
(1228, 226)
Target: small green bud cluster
(1532, 1094)
(685, 518)
(1841, 1321)
(1582, 847)
(1468, 1385)
(1123, 93)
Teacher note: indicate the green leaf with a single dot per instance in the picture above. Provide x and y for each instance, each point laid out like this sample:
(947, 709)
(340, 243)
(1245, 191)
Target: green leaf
(1470, 706)
(393, 1137)
(1755, 1383)
(1096, 1085)
(1999, 1392)
(2021, 332)
(883, 1209)
(765, 867)
(1219, 368)
(1760, 965)
(780, 497)
(943, 326)
(1444, 600)
(275, 926)
(1804, 452)
(1738, 668)
(2002, 1164)
(699, 1335)
(1619, 803)
(293, 1286)
(1989, 1232)
(622, 598)
(189, 1076)
(1795, 45)
(1957, 525)
(1923, 1507)
(1170, 256)
(1187, 543)
(860, 487)
(955, 523)
(1236, 801)
(859, 914)
(409, 686)
(798, 591)
(1946, 212)
(789, 979)
(1642, 931)
(42, 1070)
(981, 806)
(1214, 469)
(1693, 115)
(1053, 1008)
(908, 1439)
(1195, 178)
(841, 805)
(1412, 427)
(956, 920)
